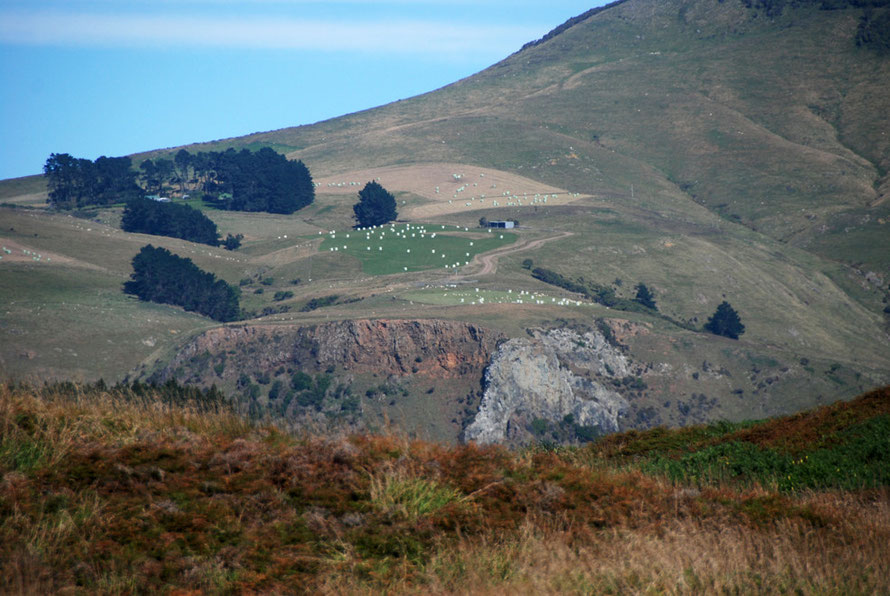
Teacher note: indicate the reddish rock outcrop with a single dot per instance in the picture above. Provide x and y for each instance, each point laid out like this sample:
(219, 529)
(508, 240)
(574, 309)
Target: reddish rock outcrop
(434, 348)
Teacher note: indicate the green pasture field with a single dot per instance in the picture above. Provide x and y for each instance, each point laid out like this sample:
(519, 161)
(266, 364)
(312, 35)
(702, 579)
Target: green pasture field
(413, 247)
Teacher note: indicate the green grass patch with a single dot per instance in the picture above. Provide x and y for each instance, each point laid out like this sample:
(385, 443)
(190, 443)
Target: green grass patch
(413, 247)
(409, 497)
(860, 459)
(850, 450)
(24, 453)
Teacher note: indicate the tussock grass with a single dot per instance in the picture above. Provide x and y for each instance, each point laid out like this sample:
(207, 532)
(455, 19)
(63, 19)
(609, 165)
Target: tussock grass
(405, 495)
(158, 489)
(686, 557)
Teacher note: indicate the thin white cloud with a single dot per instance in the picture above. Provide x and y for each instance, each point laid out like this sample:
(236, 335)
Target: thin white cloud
(118, 30)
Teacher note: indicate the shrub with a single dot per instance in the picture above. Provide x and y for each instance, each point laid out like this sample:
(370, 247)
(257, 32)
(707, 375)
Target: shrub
(319, 303)
(232, 242)
(301, 381)
(645, 296)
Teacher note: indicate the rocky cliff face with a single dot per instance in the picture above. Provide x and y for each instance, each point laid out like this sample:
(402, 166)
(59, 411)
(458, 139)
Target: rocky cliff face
(541, 383)
(441, 349)
(450, 381)
(556, 385)
(420, 376)
(432, 348)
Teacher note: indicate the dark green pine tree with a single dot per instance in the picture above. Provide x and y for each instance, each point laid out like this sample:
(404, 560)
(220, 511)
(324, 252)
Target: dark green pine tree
(376, 206)
(645, 296)
(725, 321)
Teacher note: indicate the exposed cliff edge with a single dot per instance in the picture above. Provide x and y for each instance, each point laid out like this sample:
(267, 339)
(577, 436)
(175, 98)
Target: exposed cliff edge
(451, 380)
(433, 348)
(424, 376)
(532, 384)
(421, 376)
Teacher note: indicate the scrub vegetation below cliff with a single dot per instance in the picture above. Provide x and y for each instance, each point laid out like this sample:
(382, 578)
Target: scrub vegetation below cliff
(140, 489)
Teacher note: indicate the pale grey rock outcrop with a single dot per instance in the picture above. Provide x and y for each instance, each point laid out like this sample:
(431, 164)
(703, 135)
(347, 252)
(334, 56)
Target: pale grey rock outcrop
(536, 378)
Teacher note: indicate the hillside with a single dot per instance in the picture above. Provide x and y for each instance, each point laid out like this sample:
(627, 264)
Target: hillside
(774, 122)
(712, 150)
(131, 489)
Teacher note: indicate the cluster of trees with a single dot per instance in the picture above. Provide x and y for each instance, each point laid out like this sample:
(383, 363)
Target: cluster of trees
(376, 206)
(160, 276)
(74, 182)
(145, 216)
(235, 180)
(232, 180)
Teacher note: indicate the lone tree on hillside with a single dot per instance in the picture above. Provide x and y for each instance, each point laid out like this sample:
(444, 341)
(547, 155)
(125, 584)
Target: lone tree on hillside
(645, 296)
(725, 321)
(376, 206)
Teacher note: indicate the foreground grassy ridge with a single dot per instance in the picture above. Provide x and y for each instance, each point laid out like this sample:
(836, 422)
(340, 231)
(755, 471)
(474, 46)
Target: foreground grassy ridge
(115, 491)
(844, 445)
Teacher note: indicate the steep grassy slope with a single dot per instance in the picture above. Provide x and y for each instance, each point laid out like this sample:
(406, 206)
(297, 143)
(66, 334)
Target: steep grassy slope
(138, 489)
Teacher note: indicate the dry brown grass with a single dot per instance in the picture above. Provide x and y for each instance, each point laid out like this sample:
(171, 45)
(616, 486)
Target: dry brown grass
(421, 180)
(686, 556)
(101, 493)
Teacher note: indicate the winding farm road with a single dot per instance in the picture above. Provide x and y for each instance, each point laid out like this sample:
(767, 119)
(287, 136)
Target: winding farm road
(489, 260)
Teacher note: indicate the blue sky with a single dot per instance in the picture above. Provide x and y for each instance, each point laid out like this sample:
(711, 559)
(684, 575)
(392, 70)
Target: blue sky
(113, 77)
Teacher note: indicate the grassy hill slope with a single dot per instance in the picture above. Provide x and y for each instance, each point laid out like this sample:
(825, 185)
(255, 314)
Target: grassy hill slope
(776, 122)
(164, 489)
(710, 149)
